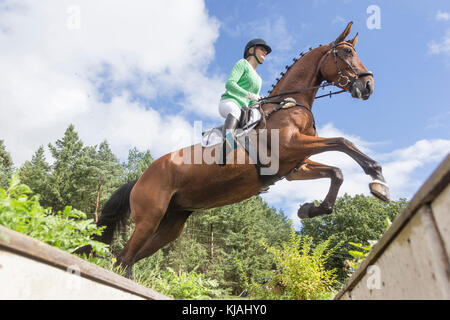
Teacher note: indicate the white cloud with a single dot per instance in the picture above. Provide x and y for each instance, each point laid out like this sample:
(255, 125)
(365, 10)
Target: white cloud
(339, 20)
(401, 163)
(398, 168)
(442, 46)
(273, 29)
(442, 16)
(55, 74)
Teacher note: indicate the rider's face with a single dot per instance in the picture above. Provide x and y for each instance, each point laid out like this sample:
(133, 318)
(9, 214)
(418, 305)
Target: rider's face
(261, 53)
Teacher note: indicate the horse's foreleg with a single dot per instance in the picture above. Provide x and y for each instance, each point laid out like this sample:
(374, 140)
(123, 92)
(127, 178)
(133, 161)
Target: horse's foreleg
(310, 170)
(306, 146)
(169, 229)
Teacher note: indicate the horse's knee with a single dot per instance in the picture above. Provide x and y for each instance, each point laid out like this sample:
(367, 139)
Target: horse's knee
(345, 142)
(376, 167)
(337, 175)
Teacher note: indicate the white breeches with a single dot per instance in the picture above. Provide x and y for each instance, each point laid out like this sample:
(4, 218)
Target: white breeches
(229, 106)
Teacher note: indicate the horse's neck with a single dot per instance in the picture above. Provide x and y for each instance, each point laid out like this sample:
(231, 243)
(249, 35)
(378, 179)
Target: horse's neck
(302, 74)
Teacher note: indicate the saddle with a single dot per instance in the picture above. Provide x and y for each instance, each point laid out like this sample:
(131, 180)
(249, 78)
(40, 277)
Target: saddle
(250, 117)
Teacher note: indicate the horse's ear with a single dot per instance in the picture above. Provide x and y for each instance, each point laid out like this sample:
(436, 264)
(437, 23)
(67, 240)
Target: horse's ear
(345, 33)
(354, 40)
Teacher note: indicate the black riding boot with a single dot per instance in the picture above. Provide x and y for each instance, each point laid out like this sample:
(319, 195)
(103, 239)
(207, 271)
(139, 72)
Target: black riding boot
(228, 137)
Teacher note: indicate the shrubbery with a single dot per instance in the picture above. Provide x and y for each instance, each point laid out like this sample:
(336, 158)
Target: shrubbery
(70, 229)
(67, 230)
(300, 272)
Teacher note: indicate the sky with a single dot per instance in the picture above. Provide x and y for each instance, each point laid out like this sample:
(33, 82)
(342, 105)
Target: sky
(140, 73)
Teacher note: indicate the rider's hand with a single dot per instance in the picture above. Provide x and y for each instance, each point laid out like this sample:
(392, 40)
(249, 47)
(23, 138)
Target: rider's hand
(253, 97)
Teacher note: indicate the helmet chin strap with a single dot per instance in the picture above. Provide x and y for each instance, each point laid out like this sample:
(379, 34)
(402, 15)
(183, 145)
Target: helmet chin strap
(254, 55)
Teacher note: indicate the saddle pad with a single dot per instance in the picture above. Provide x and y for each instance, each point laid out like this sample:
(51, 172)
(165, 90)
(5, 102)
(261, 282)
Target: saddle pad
(214, 136)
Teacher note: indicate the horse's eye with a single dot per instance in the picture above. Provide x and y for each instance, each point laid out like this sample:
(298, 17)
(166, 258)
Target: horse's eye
(348, 50)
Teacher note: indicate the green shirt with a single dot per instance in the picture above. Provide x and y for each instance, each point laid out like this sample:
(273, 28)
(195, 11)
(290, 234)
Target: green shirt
(242, 80)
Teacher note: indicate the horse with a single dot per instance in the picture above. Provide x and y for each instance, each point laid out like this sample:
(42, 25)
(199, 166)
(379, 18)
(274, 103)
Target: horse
(170, 189)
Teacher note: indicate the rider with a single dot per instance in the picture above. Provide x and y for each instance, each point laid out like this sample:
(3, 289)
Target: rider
(242, 88)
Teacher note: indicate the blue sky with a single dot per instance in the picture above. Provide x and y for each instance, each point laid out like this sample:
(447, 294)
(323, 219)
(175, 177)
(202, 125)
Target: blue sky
(135, 72)
(411, 86)
(410, 102)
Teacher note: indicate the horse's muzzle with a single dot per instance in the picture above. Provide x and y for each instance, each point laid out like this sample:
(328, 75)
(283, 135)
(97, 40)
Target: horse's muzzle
(362, 88)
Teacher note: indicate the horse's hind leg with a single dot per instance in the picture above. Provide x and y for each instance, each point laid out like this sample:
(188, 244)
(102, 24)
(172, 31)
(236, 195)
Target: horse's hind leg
(169, 229)
(147, 209)
(313, 170)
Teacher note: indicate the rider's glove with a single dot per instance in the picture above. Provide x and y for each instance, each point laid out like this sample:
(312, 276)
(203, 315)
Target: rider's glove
(253, 97)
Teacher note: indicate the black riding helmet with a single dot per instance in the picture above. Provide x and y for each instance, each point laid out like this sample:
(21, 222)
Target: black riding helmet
(254, 43)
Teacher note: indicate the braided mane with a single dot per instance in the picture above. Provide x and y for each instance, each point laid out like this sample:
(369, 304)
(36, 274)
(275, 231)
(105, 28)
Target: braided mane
(288, 67)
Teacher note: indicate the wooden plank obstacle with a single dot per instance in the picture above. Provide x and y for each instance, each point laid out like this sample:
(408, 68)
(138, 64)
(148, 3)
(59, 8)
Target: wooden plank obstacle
(411, 260)
(30, 269)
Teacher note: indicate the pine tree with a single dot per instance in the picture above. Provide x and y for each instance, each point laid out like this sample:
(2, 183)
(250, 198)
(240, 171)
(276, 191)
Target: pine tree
(107, 176)
(83, 177)
(6, 166)
(63, 186)
(137, 163)
(35, 174)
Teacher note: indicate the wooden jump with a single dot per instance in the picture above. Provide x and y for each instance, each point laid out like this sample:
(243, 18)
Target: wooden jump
(411, 260)
(30, 269)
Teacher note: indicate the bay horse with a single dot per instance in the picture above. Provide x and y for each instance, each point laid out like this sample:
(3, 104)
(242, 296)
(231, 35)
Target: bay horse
(166, 194)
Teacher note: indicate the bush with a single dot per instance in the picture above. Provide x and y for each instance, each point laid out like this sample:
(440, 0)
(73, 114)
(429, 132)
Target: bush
(300, 271)
(67, 230)
(184, 285)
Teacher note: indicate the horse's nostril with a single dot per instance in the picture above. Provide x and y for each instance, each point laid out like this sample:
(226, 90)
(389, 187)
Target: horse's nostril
(368, 86)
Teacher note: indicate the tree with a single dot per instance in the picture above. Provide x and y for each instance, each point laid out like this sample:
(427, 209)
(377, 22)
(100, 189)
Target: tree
(355, 219)
(35, 174)
(67, 153)
(137, 163)
(106, 175)
(82, 176)
(6, 166)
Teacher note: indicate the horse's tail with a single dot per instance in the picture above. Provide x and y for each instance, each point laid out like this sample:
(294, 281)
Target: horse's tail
(115, 212)
(114, 216)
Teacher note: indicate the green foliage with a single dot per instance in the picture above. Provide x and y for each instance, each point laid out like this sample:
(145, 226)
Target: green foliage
(35, 174)
(357, 219)
(84, 176)
(301, 272)
(184, 285)
(6, 166)
(363, 251)
(137, 163)
(215, 239)
(81, 174)
(67, 230)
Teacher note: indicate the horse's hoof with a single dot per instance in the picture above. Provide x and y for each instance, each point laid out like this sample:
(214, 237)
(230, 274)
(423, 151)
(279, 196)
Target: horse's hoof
(305, 210)
(87, 250)
(380, 190)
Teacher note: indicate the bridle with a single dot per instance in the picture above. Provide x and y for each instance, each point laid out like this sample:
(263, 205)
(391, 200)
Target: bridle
(348, 81)
(336, 55)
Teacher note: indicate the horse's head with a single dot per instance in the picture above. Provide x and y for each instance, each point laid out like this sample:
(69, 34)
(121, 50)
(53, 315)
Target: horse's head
(342, 66)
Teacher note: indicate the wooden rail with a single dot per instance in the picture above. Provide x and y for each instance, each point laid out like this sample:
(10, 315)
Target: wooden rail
(30, 269)
(411, 260)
